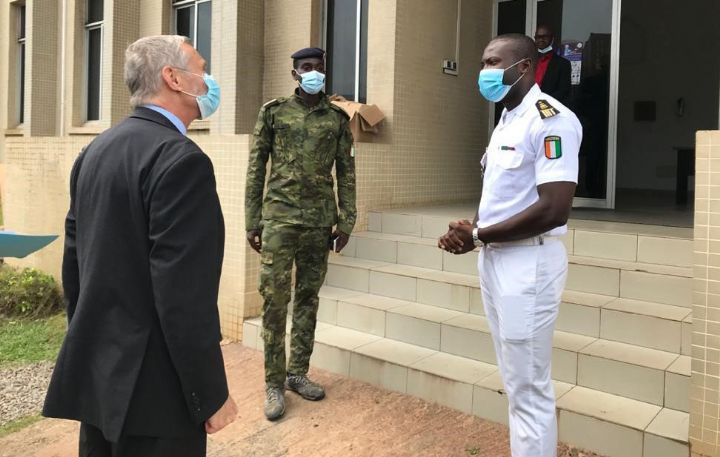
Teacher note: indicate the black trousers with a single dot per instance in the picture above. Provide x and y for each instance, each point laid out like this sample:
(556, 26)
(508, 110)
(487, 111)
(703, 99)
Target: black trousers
(94, 444)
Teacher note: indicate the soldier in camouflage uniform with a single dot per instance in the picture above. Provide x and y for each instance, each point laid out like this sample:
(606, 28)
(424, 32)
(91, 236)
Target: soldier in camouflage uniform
(303, 136)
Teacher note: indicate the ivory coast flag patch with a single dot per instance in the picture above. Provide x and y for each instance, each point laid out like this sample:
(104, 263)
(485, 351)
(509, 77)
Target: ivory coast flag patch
(553, 148)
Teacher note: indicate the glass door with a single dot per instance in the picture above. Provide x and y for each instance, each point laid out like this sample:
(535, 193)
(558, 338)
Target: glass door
(586, 33)
(511, 16)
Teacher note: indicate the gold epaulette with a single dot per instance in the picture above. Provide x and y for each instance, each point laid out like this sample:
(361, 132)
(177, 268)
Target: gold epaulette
(545, 109)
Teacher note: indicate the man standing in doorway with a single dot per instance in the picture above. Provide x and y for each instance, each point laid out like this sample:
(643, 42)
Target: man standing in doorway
(531, 168)
(303, 136)
(553, 72)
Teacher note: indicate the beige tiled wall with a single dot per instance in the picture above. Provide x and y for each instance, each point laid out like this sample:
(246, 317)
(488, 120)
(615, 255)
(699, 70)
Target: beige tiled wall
(42, 71)
(436, 126)
(427, 151)
(238, 288)
(10, 99)
(248, 80)
(7, 120)
(224, 40)
(238, 50)
(35, 200)
(705, 365)
(34, 175)
(155, 17)
(4, 86)
(73, 60)
(35, 197)
(288, 27)
(122, 28)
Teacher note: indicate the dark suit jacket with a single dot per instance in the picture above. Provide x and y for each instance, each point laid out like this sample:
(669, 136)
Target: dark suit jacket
(556, 81)
(144, 241)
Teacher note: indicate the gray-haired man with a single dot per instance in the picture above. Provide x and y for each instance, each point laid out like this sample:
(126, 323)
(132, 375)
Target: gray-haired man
(141, 366)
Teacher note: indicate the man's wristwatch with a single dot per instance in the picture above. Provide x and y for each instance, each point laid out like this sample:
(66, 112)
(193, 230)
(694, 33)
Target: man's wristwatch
(477, 241)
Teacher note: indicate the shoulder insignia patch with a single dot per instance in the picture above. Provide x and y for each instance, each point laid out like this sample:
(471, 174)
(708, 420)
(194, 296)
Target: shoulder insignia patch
(545, 109)
(273, 102)
(553, 147)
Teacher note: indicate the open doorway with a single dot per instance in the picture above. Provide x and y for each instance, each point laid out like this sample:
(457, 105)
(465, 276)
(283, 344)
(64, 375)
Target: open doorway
(646, 78)
(668, 89)
(585, 33)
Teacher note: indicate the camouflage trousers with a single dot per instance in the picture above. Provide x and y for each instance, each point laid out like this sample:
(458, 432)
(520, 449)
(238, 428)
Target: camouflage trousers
(282, 245)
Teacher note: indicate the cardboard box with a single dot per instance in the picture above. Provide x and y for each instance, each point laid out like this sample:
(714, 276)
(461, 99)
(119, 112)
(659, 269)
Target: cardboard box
(364, 119)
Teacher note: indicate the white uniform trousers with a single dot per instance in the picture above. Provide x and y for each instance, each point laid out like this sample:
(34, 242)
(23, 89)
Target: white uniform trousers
(521, 288)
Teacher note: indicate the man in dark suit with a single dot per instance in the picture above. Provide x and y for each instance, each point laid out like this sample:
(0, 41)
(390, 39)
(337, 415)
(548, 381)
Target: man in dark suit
(552, 73)
(141, 366)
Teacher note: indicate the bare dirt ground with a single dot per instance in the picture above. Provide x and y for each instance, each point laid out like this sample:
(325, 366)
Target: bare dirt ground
(356, 419)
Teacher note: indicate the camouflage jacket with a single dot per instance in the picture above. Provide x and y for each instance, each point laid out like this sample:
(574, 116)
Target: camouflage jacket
(303, 143)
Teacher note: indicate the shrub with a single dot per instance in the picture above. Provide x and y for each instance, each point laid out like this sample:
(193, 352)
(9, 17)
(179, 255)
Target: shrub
(28, 293)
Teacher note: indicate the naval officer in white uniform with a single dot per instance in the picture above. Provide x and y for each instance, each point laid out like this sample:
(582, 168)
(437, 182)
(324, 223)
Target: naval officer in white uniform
(530, 174)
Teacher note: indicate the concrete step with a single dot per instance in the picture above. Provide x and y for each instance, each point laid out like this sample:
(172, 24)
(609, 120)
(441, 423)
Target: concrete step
(646, 323)
(636, 372)
(616, 241)
(667, 284)
(612, 425)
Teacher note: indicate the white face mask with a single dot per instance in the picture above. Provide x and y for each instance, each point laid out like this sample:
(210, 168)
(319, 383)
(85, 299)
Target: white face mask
(546, 50)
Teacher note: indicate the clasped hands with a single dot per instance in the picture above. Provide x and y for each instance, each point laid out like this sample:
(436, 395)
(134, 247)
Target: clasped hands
(458, 239)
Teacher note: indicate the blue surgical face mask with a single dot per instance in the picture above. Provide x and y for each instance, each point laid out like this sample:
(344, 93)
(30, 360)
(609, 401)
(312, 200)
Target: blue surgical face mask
(312, 82)
(490, 83)
(209, 102)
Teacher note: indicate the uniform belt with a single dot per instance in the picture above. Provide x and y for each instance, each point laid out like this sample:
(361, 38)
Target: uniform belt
(534, 241)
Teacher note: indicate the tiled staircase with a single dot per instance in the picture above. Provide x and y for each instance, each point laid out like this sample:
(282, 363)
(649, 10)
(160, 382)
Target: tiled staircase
(399, 313)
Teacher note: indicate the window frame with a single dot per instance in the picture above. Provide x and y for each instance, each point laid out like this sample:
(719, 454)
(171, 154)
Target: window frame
(360, 27)
(21, 61)
(89, 27)
(186, 4)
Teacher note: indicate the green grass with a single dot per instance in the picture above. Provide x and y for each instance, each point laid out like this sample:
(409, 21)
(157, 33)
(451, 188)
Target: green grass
(18, 424)
(26, 341)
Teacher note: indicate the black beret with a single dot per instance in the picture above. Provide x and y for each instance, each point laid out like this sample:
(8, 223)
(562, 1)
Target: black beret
(308, 53)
